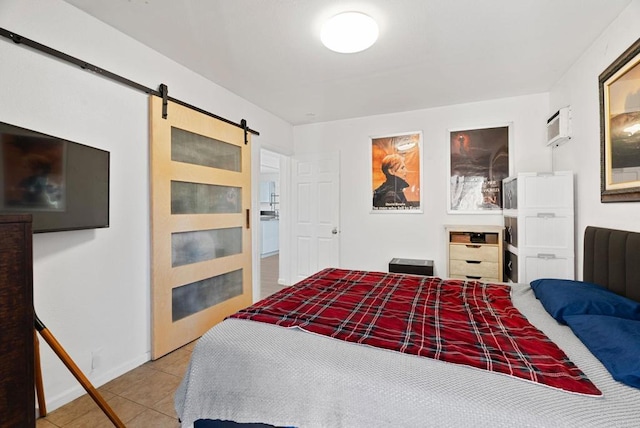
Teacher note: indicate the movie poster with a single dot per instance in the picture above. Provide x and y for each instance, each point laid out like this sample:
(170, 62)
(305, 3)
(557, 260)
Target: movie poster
(396, 172)
(479, 162)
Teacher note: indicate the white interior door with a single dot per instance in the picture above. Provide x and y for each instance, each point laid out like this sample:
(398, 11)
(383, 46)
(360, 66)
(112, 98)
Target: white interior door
(316, 223)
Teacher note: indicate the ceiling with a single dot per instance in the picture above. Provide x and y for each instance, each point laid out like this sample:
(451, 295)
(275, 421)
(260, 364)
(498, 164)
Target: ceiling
(429, 53)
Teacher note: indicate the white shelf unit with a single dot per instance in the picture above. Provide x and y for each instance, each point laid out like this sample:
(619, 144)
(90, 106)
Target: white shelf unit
(539, 226)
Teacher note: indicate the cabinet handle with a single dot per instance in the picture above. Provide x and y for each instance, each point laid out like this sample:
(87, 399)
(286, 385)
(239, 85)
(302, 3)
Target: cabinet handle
(546, 215)
(473, 246)
(473, 277)
(475, 262)
(546, 256)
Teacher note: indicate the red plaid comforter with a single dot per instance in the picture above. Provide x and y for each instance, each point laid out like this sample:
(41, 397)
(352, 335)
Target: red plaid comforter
(462, 322)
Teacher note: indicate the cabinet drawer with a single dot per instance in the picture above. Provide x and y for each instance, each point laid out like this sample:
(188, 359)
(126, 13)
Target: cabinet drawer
(481, 269)
(542, 191)
(510, 266)
(474, 252)
(510, 194)
(475, 278)
(546, 265)
(511, 230)
(553, 229)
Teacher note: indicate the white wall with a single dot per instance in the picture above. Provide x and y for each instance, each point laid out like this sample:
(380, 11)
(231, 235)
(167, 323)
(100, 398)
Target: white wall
(369, 241)
(91, 288)
(579, 88)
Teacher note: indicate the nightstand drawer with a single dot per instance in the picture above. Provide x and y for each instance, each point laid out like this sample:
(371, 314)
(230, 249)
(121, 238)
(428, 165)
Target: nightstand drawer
(482, 269)
(474, 252)
(476, 278)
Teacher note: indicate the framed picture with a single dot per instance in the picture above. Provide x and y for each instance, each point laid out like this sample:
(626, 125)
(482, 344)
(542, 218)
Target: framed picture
(396, 168)
(620, 128)
(479, 161)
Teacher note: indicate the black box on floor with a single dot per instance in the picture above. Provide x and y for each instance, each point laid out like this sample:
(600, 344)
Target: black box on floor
(412, 266)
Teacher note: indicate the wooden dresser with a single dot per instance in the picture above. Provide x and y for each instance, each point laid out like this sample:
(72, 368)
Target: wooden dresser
(17, 399)
(475, 252)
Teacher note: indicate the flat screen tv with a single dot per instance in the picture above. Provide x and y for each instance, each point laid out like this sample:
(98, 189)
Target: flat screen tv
(62, 184)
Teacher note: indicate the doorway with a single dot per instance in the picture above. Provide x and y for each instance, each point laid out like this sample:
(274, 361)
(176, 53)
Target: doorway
(270, 193)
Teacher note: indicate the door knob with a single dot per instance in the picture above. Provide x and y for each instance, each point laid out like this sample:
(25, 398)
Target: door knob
(334, 231)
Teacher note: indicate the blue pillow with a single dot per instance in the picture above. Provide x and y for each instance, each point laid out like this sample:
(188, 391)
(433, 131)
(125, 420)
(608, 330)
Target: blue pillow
(562, 297)
(614, 341)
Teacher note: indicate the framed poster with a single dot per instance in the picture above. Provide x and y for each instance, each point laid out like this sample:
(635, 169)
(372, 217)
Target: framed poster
(620, 128)
(396, 168)
(479, 161)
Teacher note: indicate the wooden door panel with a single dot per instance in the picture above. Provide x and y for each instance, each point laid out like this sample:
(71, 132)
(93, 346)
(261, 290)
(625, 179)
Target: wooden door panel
(200, 171)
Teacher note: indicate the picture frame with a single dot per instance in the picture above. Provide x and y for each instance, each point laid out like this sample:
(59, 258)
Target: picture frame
(396, 173)
(479, 159)
(619, 92)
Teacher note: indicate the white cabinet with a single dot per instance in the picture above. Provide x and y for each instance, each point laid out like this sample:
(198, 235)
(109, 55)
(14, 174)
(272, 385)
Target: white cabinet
(539, 226)
(475, 252)
(269, 198)
(267, 188)
(270, 237)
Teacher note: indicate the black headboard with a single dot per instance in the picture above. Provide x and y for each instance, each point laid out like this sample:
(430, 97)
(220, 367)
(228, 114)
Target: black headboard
(612, 259)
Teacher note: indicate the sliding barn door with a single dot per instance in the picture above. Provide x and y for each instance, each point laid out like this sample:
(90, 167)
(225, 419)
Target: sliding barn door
(200, 237)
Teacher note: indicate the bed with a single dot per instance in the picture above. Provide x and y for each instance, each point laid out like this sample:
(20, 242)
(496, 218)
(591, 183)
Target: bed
(251, 371)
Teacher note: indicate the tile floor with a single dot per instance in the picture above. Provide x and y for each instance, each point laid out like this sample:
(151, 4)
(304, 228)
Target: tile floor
(143, 397)
(269, 276)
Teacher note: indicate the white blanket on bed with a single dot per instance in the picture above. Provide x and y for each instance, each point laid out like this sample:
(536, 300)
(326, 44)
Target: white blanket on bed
(252, 372)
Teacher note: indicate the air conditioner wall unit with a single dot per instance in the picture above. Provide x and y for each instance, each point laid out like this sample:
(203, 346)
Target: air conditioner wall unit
(559, 127)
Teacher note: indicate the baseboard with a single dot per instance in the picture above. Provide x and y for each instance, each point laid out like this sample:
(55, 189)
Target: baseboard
(72, 393)
(272, 253)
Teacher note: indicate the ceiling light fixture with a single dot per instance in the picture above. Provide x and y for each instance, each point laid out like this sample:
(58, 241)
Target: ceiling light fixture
(349, 32)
